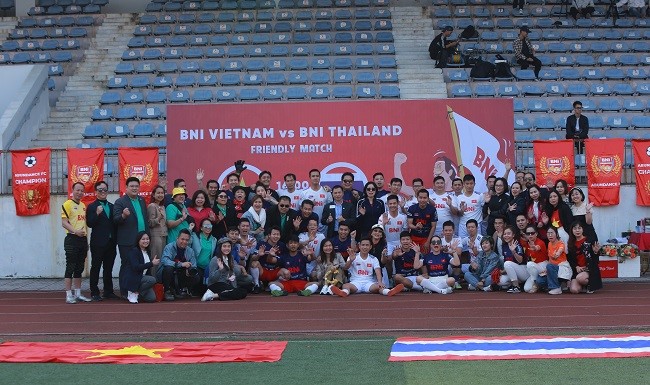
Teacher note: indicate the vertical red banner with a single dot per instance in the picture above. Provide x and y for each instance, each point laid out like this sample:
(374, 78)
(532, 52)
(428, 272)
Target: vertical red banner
(85, 165)
(641, 148)
(604, 170)
(31, 181)
(141, 163)
(554, 160)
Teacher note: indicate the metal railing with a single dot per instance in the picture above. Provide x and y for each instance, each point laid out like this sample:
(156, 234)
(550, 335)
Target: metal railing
(524, 160)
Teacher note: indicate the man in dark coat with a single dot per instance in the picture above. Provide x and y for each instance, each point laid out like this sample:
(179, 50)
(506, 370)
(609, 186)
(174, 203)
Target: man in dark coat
(577, 127)
(99, 217)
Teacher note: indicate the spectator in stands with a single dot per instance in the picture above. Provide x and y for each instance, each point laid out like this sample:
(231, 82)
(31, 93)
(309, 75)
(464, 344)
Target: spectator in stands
(525, 53)
(224, 276)
(73, 220)
(518, 4)
(102, 242)
(535, 210)
(295, 196)
(636, 8)
(441, 48)
(577, 127)
(179, 270)
(199, 209)
(583, 7)
(157, 223)
(130, 216)
(137, 275)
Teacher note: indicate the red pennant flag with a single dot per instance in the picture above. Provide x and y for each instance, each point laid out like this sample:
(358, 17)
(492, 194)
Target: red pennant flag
(141, 163)
(641, 148)
(31, 181)
(604, 170)
(142, 353)
(554, 160)
(85, 165)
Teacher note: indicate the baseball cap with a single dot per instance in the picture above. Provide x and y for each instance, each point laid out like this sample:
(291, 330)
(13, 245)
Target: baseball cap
(377, 226)
(178, 190)
(448, 28)
(524, 29)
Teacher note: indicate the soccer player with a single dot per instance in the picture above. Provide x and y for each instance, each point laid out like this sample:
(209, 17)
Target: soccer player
(311, 239)
(422, 220)
(292, 277)
(393, 223)
(407, 262)
(344, 240)
(417, 184)
(365, 274)
(294, 195)
(436, 267)
(445, 203)
(395, 188)
(317, 195)
(73, 220)
(304, 215)
(264, 268)
(470, 205)
(378, 178)
(448, 242)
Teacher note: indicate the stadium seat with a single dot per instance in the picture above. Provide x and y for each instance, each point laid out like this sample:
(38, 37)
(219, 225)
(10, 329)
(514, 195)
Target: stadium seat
(461, 91)
(596, 122)
(179, 96)
(592, 74)
(156, 97)
(544, 123)
(609, 104)
(640, 122)
(148, 112)
(510, 89)
(525, 75)
(518, 105)
(533, 90)
(94, 131)
(272, 94)
(249, 94)
(275, 78)
(143, 130)
(120, 130)
(320, 78)
(622, 89)
(484, 90)
(319, 93)
(522, 123)
(633, 105)
(537, 105)
(601, 89)
(202, 95)
(365, 92)
(561, 105)
(459, 75)
(294, 93)
(574, 89)
(102, 114)
(618, 122)
(386, 91)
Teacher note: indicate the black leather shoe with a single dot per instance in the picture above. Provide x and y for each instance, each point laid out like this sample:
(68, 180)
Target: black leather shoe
(110, 296)
(97, 298)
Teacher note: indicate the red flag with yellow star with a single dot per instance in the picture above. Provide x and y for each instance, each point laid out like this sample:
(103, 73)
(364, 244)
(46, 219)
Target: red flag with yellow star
(142, 353)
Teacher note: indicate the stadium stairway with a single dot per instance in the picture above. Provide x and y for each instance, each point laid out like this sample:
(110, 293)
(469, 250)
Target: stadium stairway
(6, 25)
(413, 31)
(86, 86)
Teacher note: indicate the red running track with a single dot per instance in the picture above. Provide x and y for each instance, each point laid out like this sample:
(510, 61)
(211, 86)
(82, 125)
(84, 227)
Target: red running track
(620, 307)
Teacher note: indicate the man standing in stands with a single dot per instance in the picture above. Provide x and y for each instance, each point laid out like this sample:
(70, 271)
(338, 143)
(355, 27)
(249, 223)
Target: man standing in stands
(130, 216)
(102, 242)
(577, 127)
(524, 52)
(440, 48)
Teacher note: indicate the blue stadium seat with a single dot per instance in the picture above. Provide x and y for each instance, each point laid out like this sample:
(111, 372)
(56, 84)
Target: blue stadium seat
(618, 122)
(166, 81)
(518, 105)
(297, 78)
(294, 93)
(607, 60)
(21, 58)
(254, 65)
(544, 123)
(458, 75)
(143, 130)
(207, 80)
(342, 92)
(577, 89)
(601, 89)
(633, 105)
(522, 123)
(365, 77)
(320, 78)
(248, 94)
(125, 113)
(596, 122)
(384, 37)
(385, 49)
(110, 98)
(185, 80)
(94, 131)
(549, 74)
(202, 95)
(275, 78)
(230, 80)
(42, 57)
(537, 105)
(461, 91)
(342, 77)
(300, 50)
(179, 96)
(532, 89)
(509, 89)
(525, 75)
(279, 50)
(252, 79)
(569, 74)
(167, 67)
(102, 114)
(149, 112)
(555, 89)
(276, 65)
(579, 47)
(640, 122)
(565, 60)
(272, 93)
(592, 74)
(132, 97)
(558, 47)
(622, 89)
(388, 91)
(640, 46)
(630, 60)
(319, 93)
(614, 74)
(156, 97)
(609, 104)
(120, 130)
(365, 92)
(484, 90)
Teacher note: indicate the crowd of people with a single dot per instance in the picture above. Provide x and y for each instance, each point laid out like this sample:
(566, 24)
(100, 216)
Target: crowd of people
(231, 240)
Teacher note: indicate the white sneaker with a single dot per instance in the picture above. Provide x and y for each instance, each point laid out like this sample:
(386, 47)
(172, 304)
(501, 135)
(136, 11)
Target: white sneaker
(555, 291)
(70, 299)
(471, 288)
(426, 291)
(487, 288)
(449, 290)
(81, 298)
(132, 297)
(208, 296)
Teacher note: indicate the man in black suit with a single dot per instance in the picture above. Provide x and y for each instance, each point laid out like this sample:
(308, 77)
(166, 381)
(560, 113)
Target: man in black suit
(337, 211)
(577, 127)
(102, 242)
(282, 216)
(130, 216)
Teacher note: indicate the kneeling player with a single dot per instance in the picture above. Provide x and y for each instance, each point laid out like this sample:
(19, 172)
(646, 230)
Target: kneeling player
(436, 265)
(365, 274)
(407, 262)
(292, 277)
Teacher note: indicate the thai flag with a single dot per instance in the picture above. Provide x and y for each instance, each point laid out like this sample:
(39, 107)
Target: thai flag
(513, 347)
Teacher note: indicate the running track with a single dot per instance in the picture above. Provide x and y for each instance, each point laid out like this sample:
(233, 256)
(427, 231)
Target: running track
(620, 307)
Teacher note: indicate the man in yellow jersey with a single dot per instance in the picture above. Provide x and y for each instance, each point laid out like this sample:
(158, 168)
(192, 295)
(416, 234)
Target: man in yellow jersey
(73, 220)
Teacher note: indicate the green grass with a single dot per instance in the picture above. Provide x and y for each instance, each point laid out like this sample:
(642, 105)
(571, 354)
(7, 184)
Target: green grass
(342, 362)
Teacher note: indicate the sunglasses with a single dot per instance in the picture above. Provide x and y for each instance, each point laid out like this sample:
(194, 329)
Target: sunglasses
(284, 206)
(102, 190)
(436, 242)
(530, 233)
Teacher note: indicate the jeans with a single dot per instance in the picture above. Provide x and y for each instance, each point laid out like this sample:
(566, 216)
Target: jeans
(473, 279)
(550, 280)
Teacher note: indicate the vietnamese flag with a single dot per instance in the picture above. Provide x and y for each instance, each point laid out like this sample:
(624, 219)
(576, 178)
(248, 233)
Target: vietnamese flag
(142, 352)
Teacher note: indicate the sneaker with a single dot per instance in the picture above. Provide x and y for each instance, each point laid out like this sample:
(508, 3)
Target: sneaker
(132, 297)
(181, 294)
(555, 291)
(471, 288)
(257, 289)
(426, 291)
(279, 293)
(169, 296)
(513, 289)
(487, 288)
(304, 293)
(338, 291)
(208, 296)
(534, 288)
(395, 290)
(97, 298)
(70, 299)
(81, 298)
(449, 290)
(457, 286)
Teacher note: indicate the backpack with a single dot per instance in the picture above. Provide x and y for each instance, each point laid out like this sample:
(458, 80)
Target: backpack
(434, 50)
(503, 69)
(482, 69)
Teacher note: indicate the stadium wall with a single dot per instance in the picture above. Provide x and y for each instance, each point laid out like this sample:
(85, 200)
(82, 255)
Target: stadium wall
(32, 247)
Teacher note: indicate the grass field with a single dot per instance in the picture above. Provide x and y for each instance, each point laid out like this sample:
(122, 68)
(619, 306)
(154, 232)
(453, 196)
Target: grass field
(337, 361)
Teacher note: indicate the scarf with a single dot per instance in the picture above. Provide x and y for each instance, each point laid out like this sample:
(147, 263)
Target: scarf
(260, 218)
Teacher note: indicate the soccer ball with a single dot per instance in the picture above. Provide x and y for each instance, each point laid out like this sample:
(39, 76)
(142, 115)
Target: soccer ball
(30, 161)
(647, 151)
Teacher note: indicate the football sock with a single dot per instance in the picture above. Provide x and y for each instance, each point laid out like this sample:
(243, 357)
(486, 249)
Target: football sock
(428, 285)
(255, 273)
(274, 287)
(77, 292)
(313, 287)
(416, 287)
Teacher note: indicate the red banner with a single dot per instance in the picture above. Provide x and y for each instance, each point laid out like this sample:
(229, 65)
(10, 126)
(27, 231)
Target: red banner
(604, 170)
(554, 160)
(641, 150)
(142, 353)
(141, 163)
(31, 181)
(85, 165)
(401, 138)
